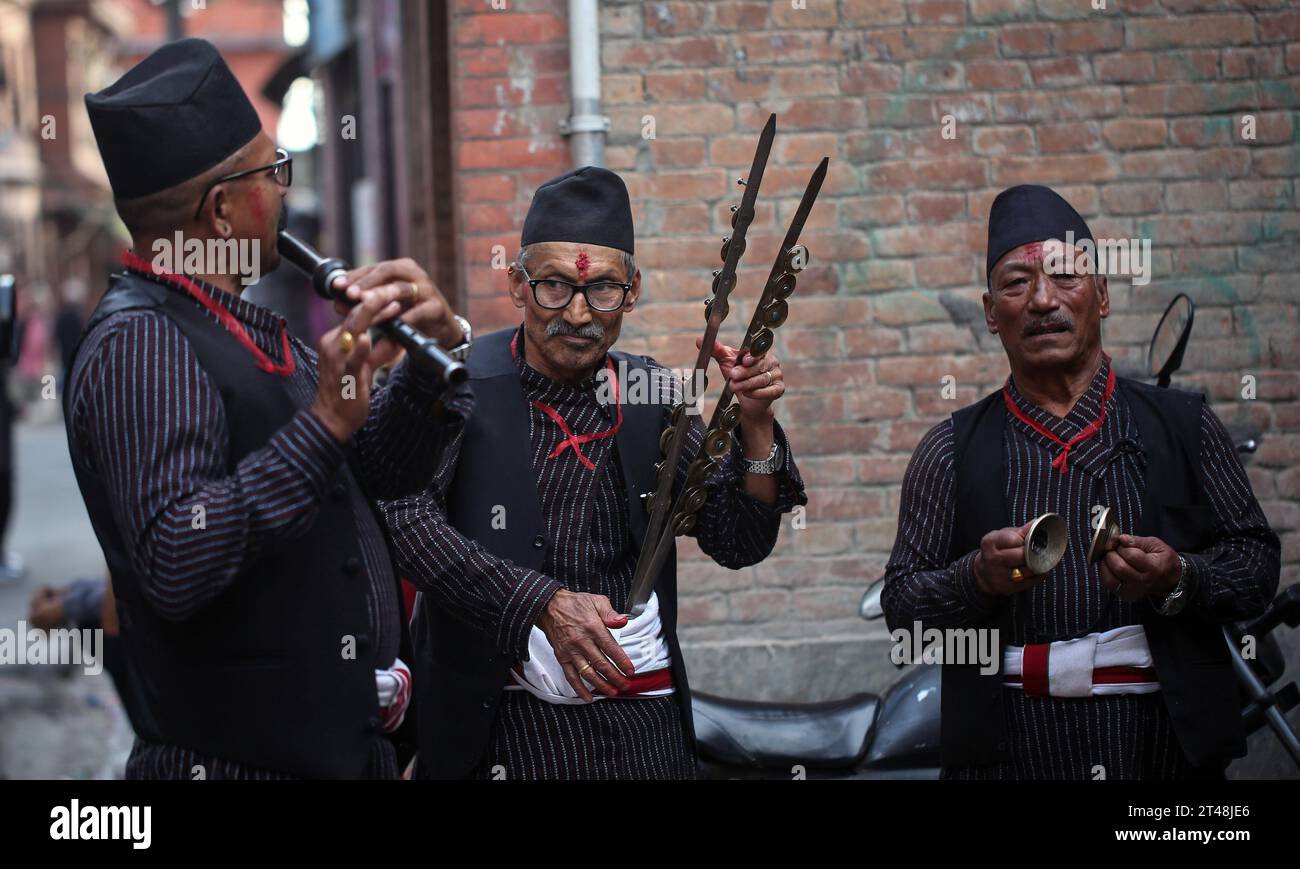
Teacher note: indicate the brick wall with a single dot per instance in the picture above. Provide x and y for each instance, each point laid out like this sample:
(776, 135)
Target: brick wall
(1133, 113)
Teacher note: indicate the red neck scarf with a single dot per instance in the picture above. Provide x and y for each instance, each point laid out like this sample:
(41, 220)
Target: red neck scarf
(1089, 431)
(570, 439)
(227, 319)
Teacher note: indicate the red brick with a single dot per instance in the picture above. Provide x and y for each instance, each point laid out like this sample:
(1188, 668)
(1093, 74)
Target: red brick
(1132, 198)
(997, 74)
(1124, 67)
(674, 85)
(1074, 136)
(872, 13)
(1066, 168)
(677, 152)
(813, 14)
(1127, 135)
(1193, 30)
(953, 174)
(487, 188)
(1060, 71)
(1000, 11)
(742, 16)
(1189, 65)
(488, 154)
(1093, 103)
(937, 11)
(674, 19)
(807, 82)
(936, 207)
(996, 141)
(1182, 99)
(508, 28)
(1196, 196)
(1096, 33)
(946, 271)
(867, 77)
(1026, 40)
(1254, 63)
(1201, 132)
(1280, 26)
(1214, 162)
(811, 114)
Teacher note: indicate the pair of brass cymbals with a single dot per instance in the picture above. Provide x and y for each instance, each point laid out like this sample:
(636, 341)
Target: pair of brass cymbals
(1047, 537)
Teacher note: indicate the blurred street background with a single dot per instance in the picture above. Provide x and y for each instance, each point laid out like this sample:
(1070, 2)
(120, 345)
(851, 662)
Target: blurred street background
(422, 129)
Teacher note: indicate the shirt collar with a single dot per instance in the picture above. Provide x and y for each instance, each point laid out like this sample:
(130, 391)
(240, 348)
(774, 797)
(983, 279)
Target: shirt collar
(1085, 410)
(530, 377)
(1093, 455)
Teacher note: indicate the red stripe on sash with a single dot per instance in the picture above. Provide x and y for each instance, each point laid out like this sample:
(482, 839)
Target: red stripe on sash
(1033, 668)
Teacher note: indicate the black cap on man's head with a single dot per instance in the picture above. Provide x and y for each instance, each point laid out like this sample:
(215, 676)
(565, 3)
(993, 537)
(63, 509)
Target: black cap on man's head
(1027, 213)
(588, 206)
(171, 117)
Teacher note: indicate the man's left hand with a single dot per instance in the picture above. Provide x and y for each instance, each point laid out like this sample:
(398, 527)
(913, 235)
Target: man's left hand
(756, 383)
(1140, 567)
(410, 294)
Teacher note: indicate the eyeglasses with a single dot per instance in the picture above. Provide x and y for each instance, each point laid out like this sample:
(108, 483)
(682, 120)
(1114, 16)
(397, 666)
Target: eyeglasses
(555, 295)
(281, 172)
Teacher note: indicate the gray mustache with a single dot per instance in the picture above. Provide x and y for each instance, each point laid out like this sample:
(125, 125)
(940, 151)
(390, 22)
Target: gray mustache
(558, 328)
(1057, 319)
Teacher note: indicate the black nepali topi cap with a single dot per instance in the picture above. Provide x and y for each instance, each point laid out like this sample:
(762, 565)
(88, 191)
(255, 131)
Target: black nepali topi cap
(1027, 213)
(588, 205)
(171, 117)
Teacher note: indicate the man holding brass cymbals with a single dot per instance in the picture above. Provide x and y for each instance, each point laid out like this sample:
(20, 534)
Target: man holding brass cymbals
(1113, 659)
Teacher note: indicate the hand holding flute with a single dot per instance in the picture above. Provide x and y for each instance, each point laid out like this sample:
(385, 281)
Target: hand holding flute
(374, 295)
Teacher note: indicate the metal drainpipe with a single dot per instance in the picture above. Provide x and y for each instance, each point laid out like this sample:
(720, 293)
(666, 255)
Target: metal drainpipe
(586, 126)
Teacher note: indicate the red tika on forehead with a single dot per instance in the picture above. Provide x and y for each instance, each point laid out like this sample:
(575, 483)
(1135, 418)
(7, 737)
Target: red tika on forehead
(1029, 253)
(582, 263)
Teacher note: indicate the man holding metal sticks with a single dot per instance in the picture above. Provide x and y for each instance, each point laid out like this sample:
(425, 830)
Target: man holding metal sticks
(524, 544)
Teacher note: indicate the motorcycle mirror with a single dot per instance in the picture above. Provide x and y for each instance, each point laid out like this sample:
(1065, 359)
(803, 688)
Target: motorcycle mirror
(1170, 339)
(870, 607)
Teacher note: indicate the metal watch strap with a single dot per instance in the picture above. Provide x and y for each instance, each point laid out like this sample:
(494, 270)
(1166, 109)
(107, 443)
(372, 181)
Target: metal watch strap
(1174, 602)
(769, 465)
(461, 352)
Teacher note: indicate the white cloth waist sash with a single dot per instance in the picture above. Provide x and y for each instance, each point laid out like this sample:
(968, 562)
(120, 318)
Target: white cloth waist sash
(641, 639)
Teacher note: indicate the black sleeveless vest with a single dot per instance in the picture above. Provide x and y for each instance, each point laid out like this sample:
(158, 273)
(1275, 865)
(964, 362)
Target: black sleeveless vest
(459, 672)
(1191, 658)
(257, 676)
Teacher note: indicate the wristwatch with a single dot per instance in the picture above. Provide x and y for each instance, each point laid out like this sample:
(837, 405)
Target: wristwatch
(461, 352)
(769, 465)
(1178, 598)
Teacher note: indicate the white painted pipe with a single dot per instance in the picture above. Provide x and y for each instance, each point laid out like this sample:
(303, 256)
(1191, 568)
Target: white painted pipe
(585, 126)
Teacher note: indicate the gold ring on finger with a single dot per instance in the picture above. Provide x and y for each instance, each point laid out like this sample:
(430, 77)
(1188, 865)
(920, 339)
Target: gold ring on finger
(1016, 575)
(347, 341)
(414, 291)
(770, 378)
(584, 668)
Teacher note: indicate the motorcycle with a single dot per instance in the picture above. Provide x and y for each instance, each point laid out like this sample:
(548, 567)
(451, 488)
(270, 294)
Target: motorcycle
(896, 736)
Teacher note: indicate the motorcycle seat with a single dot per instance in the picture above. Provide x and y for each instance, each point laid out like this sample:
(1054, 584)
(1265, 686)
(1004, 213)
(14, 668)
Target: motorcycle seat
(750, 733)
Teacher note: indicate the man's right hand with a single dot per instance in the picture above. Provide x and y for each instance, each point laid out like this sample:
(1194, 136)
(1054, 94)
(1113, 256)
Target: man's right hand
(577, 626)
(1002, 551)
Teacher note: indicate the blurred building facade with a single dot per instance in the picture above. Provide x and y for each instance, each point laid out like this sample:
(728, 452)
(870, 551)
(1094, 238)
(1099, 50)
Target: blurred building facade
(20, 160)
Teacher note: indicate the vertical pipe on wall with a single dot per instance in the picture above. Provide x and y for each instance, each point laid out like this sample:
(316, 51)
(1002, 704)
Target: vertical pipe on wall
(585, 126)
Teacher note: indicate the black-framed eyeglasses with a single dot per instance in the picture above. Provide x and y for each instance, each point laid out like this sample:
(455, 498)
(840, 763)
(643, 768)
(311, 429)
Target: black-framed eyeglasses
(281, 172)
(555, 295)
